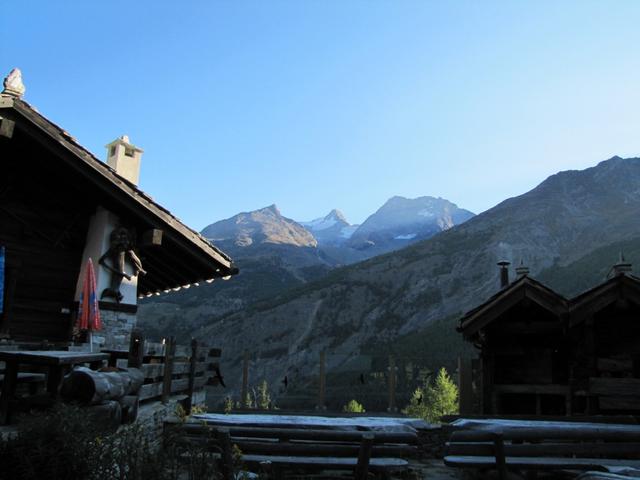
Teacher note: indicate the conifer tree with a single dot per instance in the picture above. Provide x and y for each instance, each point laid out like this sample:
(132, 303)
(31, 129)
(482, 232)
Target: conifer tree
(432, 401)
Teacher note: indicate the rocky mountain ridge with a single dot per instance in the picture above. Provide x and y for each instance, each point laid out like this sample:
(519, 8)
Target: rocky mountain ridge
(420, 291)
(274, 254)
(402, 221)
(266, 225)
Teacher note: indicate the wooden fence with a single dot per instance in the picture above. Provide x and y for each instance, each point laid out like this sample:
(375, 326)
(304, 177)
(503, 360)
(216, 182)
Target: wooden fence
(170, 369)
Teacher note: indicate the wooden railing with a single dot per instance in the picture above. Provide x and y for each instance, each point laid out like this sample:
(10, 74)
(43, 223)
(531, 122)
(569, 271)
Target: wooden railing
(170, 369)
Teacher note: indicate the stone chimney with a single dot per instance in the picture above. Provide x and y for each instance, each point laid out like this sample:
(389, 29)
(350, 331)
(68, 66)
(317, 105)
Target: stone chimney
(125, 158)
(504, 273)
(522, 270)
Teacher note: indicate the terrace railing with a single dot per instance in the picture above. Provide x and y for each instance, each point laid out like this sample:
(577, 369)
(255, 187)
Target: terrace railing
(169, 369)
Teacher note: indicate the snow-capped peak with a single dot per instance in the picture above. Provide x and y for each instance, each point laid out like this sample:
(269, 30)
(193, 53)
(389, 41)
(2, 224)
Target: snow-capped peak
(333, 217)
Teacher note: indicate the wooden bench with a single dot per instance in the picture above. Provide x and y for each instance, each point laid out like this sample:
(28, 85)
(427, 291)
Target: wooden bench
(275, 450)
(533, 449)
(32, 379)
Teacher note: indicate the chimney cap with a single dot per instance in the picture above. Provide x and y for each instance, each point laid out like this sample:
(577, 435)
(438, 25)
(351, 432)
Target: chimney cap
(522, 270)
(124, 140)
(504, 273)
(621, 267)
(13, 84)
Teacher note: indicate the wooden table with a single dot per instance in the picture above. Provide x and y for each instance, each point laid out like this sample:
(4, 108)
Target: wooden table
(57, 362)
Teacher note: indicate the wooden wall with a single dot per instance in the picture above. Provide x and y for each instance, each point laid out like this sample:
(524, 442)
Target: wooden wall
(525, 362)
(44, 218)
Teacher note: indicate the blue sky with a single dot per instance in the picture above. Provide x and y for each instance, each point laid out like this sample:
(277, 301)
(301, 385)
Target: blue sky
(319, 104)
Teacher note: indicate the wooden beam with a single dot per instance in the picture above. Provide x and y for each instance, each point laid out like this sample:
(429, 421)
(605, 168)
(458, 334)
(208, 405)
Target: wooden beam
(152, 238)
(245, 379)
(6, 127)
(192, 374)
(127, 197)
(168, 369)
(136, 349)
(614, 386)
(545, 389)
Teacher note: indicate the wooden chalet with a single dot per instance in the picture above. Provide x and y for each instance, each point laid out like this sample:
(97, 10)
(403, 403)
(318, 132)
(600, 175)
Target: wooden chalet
(543, 354)
(59, 206)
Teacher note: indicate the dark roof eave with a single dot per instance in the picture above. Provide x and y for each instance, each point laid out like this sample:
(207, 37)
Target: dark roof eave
(129, 193)
(468, 324)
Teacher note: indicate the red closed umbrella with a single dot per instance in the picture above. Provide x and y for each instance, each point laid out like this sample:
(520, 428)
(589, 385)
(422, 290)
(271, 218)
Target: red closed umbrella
(88, 311)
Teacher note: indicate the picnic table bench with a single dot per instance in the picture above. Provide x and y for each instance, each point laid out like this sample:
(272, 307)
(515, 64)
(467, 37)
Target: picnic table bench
(276, 449)
(531, 449)
(56, 362)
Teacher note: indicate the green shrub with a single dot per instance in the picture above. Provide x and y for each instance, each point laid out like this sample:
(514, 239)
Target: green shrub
(67, 444)
(432, 401)
(228, 405)
(264, 397)
(353, 407)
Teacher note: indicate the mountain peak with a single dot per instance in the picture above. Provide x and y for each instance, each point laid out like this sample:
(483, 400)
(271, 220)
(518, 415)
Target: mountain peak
(273, 208)
(336, 214)
(407, 219)
(266, 225)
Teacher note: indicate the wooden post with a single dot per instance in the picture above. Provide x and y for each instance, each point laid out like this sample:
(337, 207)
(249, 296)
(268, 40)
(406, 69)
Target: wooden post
(364, 455)
(592, 368)
(11, 277)
(465, 385)
(136, 349)
(392, 384)
(224, 438)
(192, 374)
(322, 382)
(501, 464)
(245, 380)
(488, 406)
(168, 369)
(8, 389)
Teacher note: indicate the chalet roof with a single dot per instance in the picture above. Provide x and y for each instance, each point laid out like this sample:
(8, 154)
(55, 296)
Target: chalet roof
(506, 298)
(185, 257)
(622, 286)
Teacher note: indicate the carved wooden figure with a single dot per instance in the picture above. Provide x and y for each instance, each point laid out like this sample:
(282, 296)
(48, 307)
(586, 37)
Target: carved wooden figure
(120, 252)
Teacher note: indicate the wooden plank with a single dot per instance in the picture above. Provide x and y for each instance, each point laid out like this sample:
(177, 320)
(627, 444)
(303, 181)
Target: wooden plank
(550, 389)
(619, 403)
(333, 463)
(287, 434)
(224, 439)
(153, 390)
(136, 349)
(155, 370)
(245, 379)
(316, 447)
(393, 371)
(168, 369)
(8, 390)
(583, 432)
(364, 457)
(539, 463)
(552, 449)
(24, 377)
(192, 374)
(51, 357)
(614, 386)
(465, 385)
(615, 365)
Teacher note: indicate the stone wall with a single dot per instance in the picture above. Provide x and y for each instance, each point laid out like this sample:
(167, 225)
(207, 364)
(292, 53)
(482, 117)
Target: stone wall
(116, 329)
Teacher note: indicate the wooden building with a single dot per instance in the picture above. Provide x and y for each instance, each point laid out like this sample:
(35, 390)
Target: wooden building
(540, 353)
(59, 206)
